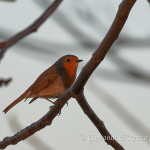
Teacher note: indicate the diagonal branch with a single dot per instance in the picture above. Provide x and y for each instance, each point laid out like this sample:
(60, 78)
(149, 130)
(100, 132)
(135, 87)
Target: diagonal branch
(105, 45)
(38, 125)
(97, 57)
(32, 28)
(97, 122)
(35, 141)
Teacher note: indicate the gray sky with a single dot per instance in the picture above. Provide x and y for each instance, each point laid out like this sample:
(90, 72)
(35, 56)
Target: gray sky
(25, 61)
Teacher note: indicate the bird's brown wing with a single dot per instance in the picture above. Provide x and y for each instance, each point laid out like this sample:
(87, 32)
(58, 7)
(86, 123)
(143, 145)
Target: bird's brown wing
(44, 80)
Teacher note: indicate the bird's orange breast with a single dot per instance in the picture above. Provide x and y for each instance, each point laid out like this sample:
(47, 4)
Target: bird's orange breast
(71, 69)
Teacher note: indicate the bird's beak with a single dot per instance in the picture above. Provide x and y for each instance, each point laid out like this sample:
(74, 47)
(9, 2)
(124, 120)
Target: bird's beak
(79, 60)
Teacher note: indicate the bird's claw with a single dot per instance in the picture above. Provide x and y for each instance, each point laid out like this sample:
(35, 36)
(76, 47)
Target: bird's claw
(59, 111)
(66, 104)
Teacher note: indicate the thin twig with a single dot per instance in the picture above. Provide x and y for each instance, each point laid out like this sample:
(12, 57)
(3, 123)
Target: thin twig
(5, 81)
(98, 56)
(32, 28)
(105, 45)
(97, 122)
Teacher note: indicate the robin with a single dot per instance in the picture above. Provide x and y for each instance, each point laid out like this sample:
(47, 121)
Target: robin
(52, 82)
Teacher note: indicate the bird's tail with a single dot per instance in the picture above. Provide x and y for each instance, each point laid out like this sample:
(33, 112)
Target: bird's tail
(24, 95)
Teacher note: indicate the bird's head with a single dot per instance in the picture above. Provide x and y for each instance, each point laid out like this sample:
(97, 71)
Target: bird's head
(69, 63)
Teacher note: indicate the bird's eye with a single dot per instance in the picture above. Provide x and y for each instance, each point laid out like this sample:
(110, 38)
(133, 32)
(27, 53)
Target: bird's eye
(67, 60)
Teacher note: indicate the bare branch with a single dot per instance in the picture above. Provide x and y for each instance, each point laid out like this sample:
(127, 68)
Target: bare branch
(98, 56)
(97, 122)
(105, 45)
(35, 141)
(5, 81)
(32, 28)
(38, 125)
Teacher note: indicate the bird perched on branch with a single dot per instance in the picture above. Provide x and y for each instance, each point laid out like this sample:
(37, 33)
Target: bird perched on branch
(52, 82)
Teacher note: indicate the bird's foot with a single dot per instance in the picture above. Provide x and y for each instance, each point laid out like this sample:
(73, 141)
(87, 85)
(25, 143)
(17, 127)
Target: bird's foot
(52, 107)
(49, 100)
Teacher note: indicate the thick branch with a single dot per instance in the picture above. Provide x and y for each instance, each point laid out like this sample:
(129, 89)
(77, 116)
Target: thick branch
(105, 45)
(32, 28)
(97, 122)
(86, 72)
(38, 125)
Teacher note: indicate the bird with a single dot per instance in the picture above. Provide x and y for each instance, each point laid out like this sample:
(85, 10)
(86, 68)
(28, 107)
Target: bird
(52, 82)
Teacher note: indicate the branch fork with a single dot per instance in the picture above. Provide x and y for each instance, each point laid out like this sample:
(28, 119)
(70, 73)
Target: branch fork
(77, 88)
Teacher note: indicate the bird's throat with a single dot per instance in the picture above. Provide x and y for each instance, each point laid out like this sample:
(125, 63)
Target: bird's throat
(71, 70)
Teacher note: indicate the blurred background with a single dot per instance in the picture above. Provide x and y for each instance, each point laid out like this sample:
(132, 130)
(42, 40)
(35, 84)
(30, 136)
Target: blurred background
(118, 91)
